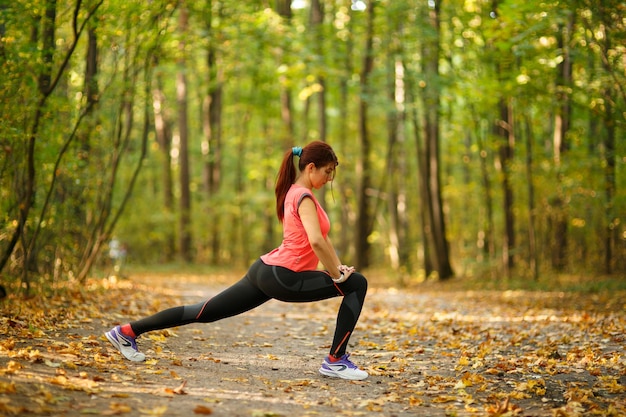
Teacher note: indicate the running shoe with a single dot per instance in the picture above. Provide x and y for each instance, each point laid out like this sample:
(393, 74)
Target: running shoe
(343, 368)
(125, 344)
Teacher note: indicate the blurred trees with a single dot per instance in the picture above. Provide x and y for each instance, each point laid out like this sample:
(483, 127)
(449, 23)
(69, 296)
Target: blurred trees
(473, 135)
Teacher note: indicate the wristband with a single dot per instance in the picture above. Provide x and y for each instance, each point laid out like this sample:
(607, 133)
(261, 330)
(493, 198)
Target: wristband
(339, 280)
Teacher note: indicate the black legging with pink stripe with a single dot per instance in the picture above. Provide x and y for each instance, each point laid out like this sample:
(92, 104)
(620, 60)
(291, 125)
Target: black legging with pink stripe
(262, 283)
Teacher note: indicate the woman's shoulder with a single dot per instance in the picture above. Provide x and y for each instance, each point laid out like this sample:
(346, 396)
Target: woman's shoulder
(297, 194)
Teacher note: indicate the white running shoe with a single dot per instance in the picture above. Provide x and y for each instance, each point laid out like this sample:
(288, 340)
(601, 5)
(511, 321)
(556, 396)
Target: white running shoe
(343, 368)
(125, 344)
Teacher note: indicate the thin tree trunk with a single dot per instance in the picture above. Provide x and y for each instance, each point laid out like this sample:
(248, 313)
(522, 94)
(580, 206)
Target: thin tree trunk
(533, 261)
(396, 164)
(110, 218)
(363, 227)
(504, 131)
(317, 20)
(185, 235)
(609, 153)
(425, 206)
(609, 158)
(346, 239)
(163, 132)
(560, 145)
(485, 239)
(431, 103)
(391, 165)
(422, 176)
(283, 7)
(212, 129)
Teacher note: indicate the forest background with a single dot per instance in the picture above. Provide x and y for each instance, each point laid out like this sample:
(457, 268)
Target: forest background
(475, 137)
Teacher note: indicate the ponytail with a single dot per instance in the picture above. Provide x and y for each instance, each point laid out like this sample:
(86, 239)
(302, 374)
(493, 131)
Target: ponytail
(286, 177)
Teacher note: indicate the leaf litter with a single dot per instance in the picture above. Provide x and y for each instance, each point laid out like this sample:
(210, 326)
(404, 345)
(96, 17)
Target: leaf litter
(429, 351)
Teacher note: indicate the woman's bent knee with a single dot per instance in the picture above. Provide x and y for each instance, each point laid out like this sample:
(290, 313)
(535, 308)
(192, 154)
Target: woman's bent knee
(358, 281)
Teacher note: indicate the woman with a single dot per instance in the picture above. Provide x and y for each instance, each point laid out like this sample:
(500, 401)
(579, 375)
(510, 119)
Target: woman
(288, 273)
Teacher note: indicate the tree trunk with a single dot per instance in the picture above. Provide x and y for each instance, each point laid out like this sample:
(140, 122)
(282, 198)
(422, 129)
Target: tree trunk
(163, 133)
(317, 20)
(422, 177)
(609, 156)
(212, 128)
(396, 170)
(185, 236)
(283, 8)
(533, 261)
(431, 104)
(363, 228)
(504, 131)
(392, 164)
(346, 239)
(560, 145)
(485, 238)
(27, 191)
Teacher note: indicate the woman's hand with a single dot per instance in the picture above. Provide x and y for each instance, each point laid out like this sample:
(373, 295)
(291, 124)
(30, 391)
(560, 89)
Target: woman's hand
(346, 271)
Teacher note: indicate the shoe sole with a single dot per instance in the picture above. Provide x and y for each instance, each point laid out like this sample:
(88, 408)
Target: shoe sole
(333, 374)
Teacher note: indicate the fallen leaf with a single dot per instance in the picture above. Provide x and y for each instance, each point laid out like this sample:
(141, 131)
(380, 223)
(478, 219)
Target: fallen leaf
(156, 411)
(178, 391)
(201, 409)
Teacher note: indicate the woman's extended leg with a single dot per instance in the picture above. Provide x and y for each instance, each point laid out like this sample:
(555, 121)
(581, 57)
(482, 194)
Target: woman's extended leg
(239, 298)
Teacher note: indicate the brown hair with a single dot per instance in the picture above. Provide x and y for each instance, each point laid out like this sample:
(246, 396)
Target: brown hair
(320, 153)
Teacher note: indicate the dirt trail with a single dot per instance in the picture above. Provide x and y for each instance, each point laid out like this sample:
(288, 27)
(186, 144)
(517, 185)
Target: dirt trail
(428, 351)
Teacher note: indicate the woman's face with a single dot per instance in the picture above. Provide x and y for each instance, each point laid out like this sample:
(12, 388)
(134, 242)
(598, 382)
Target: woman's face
(322, 175)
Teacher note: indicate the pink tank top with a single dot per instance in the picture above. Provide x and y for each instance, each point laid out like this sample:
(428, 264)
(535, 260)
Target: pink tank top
(295, 252)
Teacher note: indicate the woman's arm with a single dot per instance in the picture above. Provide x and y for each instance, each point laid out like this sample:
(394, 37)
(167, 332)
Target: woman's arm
(321, 246)
(332, 250)
(345, 270)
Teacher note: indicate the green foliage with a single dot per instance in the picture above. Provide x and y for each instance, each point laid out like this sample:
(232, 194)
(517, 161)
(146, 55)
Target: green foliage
(486, 54)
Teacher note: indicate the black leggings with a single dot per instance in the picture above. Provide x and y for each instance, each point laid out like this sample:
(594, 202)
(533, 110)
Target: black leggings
(262, 283)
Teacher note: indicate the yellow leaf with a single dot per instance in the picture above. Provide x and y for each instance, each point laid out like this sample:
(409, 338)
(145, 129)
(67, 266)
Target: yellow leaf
(572, 409)
(157, 337)
(444, 399)
(6, 407)
(156, 411)
(415, 402)
(59, 380)
(518, 395)
(7, 387)
(117, 409)
(460, 385)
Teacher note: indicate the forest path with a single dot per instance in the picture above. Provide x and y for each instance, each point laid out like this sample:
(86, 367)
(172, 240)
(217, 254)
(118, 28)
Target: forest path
(429, 351)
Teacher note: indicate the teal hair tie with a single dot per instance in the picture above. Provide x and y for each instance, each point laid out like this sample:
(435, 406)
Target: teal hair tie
(296, 150)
